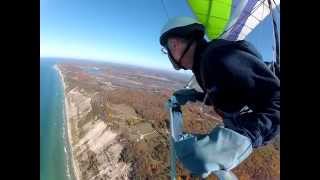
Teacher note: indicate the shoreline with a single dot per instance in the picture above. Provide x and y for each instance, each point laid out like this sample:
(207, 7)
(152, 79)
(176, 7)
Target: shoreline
(75, 170)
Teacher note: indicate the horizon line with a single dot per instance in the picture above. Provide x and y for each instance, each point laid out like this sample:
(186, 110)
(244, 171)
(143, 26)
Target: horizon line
(115, 62)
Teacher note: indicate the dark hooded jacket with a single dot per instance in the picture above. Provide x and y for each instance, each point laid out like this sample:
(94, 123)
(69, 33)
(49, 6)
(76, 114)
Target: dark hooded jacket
(234, 75)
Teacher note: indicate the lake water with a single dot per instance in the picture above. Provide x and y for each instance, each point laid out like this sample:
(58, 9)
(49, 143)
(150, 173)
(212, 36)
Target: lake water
(54, 162)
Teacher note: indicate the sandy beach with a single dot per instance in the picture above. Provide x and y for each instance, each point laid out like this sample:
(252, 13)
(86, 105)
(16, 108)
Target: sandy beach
(74, 167)
(95, 154)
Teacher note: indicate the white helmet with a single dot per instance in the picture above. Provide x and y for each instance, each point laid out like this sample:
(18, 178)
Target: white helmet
(185, 27)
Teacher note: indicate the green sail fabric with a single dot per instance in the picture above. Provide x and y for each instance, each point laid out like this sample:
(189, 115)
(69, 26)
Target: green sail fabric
(214, 14)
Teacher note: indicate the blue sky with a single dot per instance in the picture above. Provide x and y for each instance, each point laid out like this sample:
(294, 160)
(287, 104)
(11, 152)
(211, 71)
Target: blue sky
(124, 31)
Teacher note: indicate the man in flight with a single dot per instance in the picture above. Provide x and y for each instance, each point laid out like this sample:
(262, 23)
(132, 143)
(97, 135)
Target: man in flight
(232, 76)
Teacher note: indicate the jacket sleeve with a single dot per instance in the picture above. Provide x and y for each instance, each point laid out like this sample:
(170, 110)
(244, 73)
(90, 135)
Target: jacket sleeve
(249, 75)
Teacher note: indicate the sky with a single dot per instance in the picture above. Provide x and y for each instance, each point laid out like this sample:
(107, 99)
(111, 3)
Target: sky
(125, 31)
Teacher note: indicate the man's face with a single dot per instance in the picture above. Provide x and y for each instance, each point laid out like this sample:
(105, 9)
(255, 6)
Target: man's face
(177, 46)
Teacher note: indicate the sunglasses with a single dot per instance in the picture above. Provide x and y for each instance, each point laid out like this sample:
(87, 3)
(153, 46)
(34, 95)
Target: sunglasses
(165, 51)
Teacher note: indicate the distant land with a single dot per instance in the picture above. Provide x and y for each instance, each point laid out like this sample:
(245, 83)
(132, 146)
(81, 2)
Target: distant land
(115, 63)
(118, 126)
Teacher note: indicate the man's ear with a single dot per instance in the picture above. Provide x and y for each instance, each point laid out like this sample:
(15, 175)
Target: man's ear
(173, 42)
